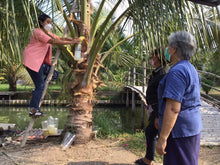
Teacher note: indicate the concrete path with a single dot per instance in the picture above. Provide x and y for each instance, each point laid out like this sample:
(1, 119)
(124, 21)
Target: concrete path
(210, 134)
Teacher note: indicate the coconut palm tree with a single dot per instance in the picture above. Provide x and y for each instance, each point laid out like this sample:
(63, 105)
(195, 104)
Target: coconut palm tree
(11, 40)
(86, 78)
(157, 19)
(211, 53)
(153, 20)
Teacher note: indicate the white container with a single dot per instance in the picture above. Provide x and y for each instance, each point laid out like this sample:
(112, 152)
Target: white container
(77, 54)
(50, 120)
(56, 122)
(52, 129)
(44, 124)
(52, 125)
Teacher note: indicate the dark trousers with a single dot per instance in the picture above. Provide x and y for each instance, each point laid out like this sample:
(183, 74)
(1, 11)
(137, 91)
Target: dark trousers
(39, 79)
(151, 134)
(182, 151)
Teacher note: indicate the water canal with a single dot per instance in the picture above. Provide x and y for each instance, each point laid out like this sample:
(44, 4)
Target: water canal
(114, 118)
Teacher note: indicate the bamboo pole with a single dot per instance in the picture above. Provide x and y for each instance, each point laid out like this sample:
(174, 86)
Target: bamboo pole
(133, 93)
(49, 77)
(128, 83)
(208, 73)
(143, 90)
(210, 87)
(27, 131)
(144, 77)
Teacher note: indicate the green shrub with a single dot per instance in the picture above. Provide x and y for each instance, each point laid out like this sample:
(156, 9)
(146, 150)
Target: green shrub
(106, 123)
(208, 81)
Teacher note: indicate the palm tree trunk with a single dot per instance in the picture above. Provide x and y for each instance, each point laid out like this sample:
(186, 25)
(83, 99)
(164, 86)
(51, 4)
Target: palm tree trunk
(79, 119)
(12, 84)
(80, 116)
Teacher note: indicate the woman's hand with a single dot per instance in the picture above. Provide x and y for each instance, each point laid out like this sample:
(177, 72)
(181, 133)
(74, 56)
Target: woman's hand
(160, 146)
(169, 119)
(66, 41)
(75, 41)
(61, 41)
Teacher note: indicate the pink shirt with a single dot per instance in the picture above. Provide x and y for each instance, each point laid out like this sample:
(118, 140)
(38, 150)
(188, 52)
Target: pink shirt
(38, 51)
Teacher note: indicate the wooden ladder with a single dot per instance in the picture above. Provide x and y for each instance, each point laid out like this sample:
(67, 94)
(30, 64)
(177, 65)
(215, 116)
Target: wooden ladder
(31, 124)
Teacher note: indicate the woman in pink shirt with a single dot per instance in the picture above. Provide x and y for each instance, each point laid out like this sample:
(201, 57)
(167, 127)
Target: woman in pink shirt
(37, 58)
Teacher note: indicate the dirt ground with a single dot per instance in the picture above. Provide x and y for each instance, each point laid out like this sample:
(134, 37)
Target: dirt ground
(96, 152)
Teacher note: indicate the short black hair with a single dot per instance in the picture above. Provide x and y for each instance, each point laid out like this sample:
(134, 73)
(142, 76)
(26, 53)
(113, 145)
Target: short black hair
(42, 18)
(159, 52)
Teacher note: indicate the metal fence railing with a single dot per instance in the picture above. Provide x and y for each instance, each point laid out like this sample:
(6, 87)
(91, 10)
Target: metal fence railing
(138, 76)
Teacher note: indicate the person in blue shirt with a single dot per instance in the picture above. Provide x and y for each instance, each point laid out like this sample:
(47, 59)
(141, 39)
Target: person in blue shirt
(180, 121)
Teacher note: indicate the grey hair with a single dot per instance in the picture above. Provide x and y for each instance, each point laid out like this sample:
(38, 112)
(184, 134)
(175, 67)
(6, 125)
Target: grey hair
(185, 43)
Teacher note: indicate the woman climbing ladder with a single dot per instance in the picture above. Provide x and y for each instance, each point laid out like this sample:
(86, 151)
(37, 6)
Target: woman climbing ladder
(37, 59)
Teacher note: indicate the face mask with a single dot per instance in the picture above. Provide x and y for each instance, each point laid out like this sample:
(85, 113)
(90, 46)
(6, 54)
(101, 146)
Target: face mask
(152, 63)
(167, 55)
(48, 27)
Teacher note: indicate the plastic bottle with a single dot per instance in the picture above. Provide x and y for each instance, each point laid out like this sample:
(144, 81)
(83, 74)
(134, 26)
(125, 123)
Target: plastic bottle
(66, 138)
(69, 141)
(78, 49)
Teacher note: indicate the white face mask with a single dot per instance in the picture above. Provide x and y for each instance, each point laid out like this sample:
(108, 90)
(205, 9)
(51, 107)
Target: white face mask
(48, 27)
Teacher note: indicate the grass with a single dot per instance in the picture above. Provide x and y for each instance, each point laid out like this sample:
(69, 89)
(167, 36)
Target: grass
(107, 97)
(111, 86)
(5, 87)
(108, 127)
(106, 123)
(214, 93)
(136, 143)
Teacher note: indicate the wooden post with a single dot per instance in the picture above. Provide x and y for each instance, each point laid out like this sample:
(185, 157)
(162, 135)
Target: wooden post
(143, 90)
(127, 98)
(128, 83)
(144, 77)
(133, 93)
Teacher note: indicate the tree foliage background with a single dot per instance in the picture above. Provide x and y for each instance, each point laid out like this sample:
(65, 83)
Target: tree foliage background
(152, 22)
